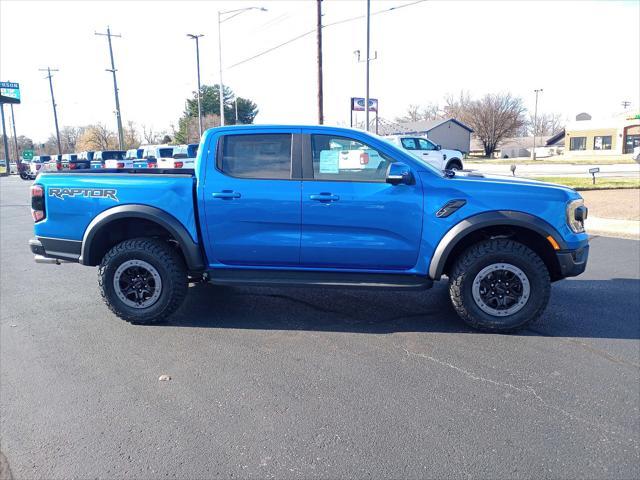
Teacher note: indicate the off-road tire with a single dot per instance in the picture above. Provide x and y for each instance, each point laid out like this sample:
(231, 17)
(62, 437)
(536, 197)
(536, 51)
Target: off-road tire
(489, 252)
(165, 259)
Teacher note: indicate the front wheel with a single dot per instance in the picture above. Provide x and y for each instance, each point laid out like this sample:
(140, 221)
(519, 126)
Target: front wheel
(454, 165)
(499, 285)
(143, 280)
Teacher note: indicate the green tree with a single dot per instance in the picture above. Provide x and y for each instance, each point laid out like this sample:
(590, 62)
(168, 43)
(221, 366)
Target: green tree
(210, 100)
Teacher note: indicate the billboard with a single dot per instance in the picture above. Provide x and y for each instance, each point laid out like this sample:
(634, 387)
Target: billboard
(357, 104)
(9, 92)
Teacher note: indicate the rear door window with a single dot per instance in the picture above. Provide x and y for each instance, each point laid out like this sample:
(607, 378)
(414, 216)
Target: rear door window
(262, 156)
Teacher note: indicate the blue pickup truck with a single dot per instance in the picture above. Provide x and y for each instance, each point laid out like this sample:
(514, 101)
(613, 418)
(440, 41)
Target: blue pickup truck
(316, 206)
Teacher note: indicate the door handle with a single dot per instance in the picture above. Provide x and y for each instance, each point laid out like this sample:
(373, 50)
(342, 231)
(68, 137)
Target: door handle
(324, 197)
(226, 195)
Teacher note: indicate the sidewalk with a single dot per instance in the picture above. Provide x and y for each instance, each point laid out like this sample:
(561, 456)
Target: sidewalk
(613, 213)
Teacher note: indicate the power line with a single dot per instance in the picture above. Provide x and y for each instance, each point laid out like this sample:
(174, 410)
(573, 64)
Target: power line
(302, 35)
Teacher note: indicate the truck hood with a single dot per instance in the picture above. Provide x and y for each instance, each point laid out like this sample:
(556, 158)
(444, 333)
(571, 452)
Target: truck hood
(507, 180)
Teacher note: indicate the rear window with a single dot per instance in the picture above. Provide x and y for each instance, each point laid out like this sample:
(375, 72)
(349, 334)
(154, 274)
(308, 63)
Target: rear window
(113, 155)
(165, 152)
(265, 156)
(192, 151)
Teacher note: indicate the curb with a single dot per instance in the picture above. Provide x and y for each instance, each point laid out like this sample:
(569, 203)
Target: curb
(611, 227)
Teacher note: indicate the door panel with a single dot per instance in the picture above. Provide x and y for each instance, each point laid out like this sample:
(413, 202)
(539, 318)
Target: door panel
(352, 218)
(253, 221)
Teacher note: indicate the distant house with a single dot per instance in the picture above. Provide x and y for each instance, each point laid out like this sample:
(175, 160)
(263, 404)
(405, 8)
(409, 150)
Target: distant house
(448, 132)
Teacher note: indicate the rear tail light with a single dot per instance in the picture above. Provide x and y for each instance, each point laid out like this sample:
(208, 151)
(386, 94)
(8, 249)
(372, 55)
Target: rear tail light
(120, 164)
(151, 164)
(38, 166)
(364, 159)
(37, 202)
(72, 166)
(178, 164)
(58, 166)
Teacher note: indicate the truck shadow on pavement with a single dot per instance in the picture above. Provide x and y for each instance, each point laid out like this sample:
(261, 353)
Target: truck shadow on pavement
(578, 308)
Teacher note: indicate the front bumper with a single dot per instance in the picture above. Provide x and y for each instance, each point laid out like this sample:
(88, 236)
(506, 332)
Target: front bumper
(573, 262)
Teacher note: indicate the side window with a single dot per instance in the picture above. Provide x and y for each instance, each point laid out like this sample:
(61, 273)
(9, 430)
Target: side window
(266, 156)
(409, 143)
(347, 160)
(425, 144)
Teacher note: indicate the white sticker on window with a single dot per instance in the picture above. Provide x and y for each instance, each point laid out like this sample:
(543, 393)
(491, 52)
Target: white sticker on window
(329, 161)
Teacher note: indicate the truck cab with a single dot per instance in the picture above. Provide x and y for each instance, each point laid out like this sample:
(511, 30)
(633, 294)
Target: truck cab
(427, 151)
(110, 159)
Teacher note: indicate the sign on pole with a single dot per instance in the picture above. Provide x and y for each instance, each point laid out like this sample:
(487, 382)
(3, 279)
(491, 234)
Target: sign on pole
(9, 92)
(357, 104)
(27, 154)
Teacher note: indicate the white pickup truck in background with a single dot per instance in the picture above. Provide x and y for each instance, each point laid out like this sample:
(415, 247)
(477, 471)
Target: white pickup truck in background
(428, 151)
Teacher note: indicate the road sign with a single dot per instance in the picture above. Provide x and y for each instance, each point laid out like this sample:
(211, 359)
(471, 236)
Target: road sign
(9, 92)
(594, 170)
(27, 154)
(357, 104)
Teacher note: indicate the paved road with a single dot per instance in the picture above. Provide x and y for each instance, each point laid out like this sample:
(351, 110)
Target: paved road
(314, 383)
(628, 170)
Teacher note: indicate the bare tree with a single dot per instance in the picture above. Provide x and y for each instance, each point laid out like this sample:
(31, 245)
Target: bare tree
(131, 136)
(69, 137)
(150, 136)
(415, 113)
(547, 124)
(97, 137)
(493, 117)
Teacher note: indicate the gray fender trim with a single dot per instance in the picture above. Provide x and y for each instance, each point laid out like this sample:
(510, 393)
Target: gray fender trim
(190, 249)
(482, 220)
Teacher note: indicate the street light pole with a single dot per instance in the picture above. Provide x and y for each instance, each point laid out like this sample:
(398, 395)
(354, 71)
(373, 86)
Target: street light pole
(535, 122)
(319, 42)
(4, 141)
(366, 99)
(196, 37)
(53, 102)
(220, 21)
(115, 86)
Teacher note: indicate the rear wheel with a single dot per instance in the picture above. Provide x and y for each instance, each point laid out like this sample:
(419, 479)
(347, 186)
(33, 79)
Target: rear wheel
(143, 280)
(499, 285)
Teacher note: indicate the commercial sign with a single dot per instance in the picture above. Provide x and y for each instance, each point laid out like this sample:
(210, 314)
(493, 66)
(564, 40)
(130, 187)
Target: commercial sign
(9, 92)
(357, 104)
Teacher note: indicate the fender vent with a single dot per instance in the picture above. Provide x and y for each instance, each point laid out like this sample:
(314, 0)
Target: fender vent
(450, 207)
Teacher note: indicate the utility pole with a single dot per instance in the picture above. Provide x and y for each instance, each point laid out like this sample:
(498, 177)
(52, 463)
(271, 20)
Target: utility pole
(625, 104)
(535, 122)
(4, 140)
(115, 85)
(53, 102)
(366, 99)
(196, 37)
(320, 93)
(15, 138)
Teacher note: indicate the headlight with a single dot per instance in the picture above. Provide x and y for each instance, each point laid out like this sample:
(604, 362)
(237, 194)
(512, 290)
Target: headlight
(576, 215)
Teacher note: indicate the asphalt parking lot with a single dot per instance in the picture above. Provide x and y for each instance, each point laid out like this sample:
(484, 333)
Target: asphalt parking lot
(313, 383)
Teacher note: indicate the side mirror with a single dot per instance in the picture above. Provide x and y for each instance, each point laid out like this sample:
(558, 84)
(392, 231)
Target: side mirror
(438, 147)
(399, 173)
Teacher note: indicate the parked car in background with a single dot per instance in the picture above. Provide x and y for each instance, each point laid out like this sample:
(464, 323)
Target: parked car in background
(13, 168)
(72, 161)
(3, 166)
(266, 206)
(184, 156)
(134, 154)
(54, 164)
(38, 163)
(101, 157)
(154, 154)
(427, 151)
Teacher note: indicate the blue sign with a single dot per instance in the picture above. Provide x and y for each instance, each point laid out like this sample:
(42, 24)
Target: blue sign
(9, 92)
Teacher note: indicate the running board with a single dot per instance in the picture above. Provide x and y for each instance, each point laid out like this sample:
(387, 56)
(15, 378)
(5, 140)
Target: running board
(294, 278)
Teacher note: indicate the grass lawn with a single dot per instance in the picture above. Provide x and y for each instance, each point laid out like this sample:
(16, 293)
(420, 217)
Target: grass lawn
(552, 160)
(579, 183)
